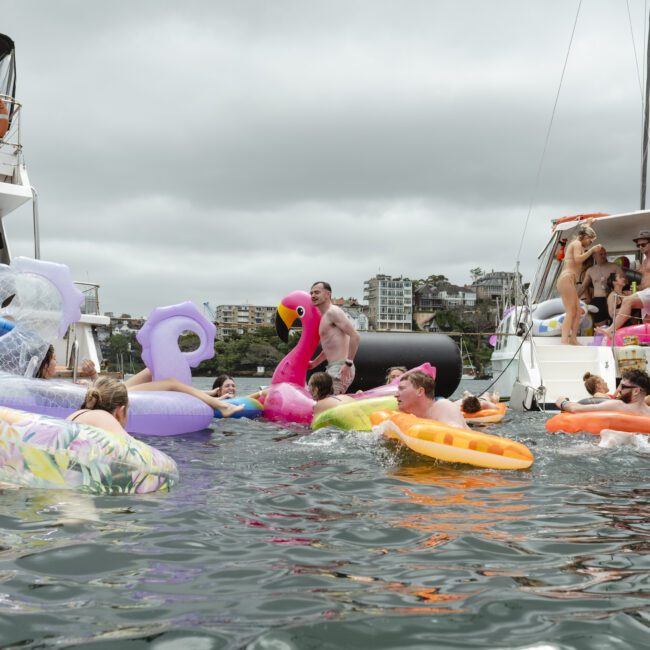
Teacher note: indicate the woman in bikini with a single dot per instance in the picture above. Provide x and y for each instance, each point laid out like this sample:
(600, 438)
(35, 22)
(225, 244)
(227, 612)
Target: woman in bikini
(574, 256)
(105, 406)
(321, 387)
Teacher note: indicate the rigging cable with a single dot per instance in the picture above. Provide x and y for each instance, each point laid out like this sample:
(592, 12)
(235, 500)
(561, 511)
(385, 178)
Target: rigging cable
(548, 134)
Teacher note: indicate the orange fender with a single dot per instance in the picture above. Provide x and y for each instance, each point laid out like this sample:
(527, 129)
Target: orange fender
(451, 444)
(595, 421)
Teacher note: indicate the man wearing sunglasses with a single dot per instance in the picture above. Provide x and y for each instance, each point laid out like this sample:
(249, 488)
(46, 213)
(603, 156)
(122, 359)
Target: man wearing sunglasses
(640, 299)
(630, 396)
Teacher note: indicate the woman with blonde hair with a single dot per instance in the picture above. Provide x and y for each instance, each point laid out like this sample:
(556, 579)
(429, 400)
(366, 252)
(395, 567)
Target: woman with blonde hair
(575, 254)
(105, 406)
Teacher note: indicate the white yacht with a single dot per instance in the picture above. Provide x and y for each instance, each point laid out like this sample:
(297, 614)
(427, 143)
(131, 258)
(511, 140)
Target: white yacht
(80, 342)
(532, 368)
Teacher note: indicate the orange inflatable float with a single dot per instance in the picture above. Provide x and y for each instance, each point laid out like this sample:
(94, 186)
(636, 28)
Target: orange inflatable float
(4, 119)
(487, 416)
(438, 440)
(595, 421)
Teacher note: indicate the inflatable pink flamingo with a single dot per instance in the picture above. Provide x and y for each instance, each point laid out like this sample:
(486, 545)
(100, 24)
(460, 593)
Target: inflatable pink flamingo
(288, 400)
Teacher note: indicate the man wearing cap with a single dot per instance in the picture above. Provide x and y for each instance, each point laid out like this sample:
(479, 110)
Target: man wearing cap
(640, 299)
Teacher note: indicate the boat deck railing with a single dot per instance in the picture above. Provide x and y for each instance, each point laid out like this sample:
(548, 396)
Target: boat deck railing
(90, 293)
(10, 144)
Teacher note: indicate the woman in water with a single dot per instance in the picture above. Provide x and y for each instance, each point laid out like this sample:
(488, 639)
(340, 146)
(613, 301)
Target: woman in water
(321, 387)
(394, 373)
(224, 386)
(105, 406)
(596, 386)
(574, 257)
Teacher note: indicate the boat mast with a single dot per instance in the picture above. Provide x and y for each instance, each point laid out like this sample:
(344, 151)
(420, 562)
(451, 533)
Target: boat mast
(644, 163)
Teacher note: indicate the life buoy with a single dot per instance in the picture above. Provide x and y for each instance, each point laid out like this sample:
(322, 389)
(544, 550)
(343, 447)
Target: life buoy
(4, 119)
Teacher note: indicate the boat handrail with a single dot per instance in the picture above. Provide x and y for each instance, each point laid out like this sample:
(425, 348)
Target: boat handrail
(12, 136)
(90, 291)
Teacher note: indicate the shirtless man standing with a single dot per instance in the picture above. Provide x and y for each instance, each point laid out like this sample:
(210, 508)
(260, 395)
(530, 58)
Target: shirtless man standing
(596, 276)
(338, 338)
(640, 299)
(416, 395)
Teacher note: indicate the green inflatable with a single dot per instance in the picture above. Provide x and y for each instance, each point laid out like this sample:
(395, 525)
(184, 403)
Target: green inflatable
(354, 416)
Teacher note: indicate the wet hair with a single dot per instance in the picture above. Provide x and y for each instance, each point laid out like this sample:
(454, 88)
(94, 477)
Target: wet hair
(639, 378)
(322, 384)
(392, 369)
(106, 394)
(586, 231)
(220, 381)
(611, 278)
(326, 285)
(591, 382)
(46, 362)
(471, 404)
(422, 380)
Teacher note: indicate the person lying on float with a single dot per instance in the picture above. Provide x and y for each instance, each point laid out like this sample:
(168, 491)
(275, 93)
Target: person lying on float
(629, 397)
(416, 395)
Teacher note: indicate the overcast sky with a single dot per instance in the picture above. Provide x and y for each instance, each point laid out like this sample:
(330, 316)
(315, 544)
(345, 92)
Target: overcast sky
(235, 151)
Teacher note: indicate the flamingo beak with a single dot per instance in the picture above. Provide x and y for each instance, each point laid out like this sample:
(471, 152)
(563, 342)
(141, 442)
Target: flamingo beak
(284, 320)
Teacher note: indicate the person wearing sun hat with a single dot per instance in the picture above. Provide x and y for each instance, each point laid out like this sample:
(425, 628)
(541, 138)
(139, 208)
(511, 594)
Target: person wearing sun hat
(640, 299)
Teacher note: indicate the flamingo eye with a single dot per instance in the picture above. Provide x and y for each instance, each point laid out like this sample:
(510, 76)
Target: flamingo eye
(300, 311)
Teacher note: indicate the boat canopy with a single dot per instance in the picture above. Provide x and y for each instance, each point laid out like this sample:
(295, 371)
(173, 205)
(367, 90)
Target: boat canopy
(615, 232)
(7, 72)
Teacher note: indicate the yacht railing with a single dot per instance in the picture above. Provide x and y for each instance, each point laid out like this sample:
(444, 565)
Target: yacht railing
(10, 145)
(90, 293)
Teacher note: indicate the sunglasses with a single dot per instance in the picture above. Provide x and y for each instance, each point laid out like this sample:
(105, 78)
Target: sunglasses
(626, 386)
(642, 245)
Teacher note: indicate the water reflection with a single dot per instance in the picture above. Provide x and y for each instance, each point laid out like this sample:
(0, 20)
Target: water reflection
(465, 502)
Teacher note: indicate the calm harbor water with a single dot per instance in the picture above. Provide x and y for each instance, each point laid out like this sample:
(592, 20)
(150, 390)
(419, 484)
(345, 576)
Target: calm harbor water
(280, 538)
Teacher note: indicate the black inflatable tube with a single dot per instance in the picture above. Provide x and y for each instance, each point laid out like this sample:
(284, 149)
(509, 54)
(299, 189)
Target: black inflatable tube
(379, 351)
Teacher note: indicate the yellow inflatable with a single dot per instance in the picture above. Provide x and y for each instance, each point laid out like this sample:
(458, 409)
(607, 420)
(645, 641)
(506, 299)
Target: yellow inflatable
(438, 440)
(487, 416)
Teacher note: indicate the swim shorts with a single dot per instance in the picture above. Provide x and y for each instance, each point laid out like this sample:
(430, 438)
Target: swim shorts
(334, 371)
(644, 296)
(602, 314)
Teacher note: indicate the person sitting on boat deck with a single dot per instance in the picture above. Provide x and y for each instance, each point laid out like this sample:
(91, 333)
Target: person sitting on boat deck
(640, 299)
(629, 397)
(596, 386)
(394, 372)
(574, 256)
(105, 406)
(473, 403)
(338, 338)
(321, 387)
(416, 395)
(616, 283)
(144, 381)
(596, 277)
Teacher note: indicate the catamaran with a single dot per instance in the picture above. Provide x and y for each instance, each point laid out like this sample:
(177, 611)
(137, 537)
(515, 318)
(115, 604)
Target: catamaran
(80, 342)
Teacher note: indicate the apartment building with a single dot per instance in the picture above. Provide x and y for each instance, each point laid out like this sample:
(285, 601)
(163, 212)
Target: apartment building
(237, 319)
(390, 303)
